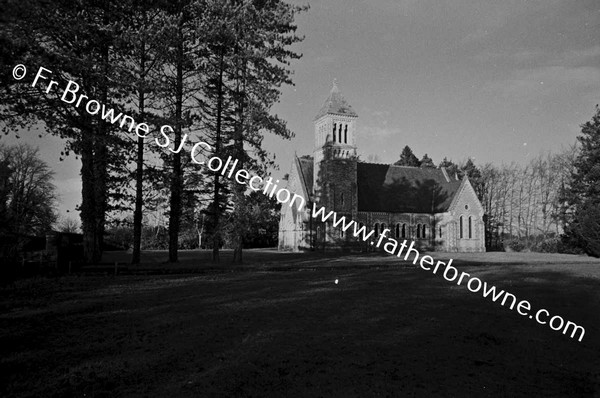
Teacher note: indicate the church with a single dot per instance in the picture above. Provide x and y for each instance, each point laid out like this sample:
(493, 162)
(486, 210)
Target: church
(427, 205)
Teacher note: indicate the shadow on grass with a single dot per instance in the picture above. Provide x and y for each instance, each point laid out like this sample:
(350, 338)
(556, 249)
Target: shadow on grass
(395, 332)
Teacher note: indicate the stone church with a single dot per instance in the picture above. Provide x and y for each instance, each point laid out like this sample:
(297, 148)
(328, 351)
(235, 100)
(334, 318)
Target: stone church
(436, 210)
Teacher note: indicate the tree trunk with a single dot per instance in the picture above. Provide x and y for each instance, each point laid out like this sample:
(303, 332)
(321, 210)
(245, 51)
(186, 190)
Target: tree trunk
(239, 217)
(88, 206)
(139, 175)
(176, 176)
(217, 183)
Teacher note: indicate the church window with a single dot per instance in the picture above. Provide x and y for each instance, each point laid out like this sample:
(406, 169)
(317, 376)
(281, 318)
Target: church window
(346, 134)
(461, 227)
(334, 128)
(404, 230)
(470, 228)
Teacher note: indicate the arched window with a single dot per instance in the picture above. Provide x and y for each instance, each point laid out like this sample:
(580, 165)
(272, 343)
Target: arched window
(404, 230)
(424, 232)
(341, 233)
(334, 128)
(340, 133)
(342, 198)
(461, 227)
(440, 232)
(397, 235)
(383, 227)
(470, 228)
(346, 134)
(418, 231)
(376, 228)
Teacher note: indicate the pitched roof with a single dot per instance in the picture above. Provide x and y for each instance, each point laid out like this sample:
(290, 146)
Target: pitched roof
(305, 164)
(335, 104)
(401, 189)
(394, 189)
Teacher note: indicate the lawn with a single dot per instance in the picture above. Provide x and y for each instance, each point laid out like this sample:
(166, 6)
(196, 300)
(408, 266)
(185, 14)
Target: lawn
(281, 326)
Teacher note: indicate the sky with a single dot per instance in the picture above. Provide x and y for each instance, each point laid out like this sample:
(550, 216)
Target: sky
(495, 81)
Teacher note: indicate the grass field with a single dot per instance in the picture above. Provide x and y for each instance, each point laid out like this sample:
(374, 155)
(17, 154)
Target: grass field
(282, 327)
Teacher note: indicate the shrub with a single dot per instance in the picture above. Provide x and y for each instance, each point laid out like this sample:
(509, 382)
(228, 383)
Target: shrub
(547, 245)
(515, 245)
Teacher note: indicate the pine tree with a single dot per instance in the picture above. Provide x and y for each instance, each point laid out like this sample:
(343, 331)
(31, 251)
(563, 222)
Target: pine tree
(583, 196)
(451, 168)
(76, 41)
(427, 162)
(408, 158)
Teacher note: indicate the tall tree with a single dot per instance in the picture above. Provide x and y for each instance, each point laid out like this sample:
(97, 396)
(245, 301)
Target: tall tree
(75, 41)
(584, 196)
(451, 168)
(27, 192)
(471, 171)
(427, 162)
(264, 32)
(142, 44)
(408, 158)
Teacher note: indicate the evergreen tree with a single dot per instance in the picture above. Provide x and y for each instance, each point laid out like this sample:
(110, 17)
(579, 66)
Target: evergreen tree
(451, 168)
(76, 41)
(471, 171)
(583, 196)
(408, 158)
(427, 162)
(143, 42)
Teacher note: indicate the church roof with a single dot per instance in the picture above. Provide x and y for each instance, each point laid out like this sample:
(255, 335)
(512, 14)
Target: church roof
(401, 189)
(395, 189)
(335, 104)
(306, 173)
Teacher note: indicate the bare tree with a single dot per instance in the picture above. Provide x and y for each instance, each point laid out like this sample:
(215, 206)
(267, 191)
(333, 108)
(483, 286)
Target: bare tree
(28, 195)
(69, 224)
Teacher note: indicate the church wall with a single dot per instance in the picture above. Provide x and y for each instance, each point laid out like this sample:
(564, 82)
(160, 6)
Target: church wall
(336, 185)
(291, 228)
(467, 207)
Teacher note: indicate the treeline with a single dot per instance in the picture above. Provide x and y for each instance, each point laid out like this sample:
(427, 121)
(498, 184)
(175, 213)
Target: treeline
(524, 204)
(211, 69)
(549, 204)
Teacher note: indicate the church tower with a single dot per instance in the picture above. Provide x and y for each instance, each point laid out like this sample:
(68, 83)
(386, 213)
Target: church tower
(334, 154)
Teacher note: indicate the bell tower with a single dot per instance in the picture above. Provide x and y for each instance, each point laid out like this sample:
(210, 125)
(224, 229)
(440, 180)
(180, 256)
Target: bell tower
(335, 128)
(334, 153)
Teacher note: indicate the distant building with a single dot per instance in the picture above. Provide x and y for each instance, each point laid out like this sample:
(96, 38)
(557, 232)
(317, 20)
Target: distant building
(426, 205)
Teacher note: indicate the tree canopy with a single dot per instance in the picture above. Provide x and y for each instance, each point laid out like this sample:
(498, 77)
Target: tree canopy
(583, 193)
(408, 158)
